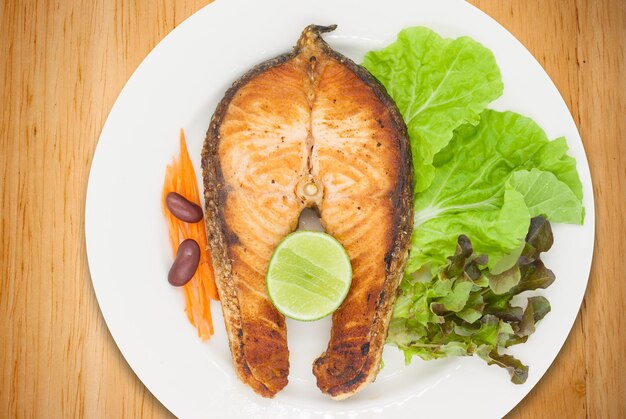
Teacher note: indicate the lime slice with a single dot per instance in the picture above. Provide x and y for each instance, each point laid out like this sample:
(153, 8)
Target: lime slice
(309, 275)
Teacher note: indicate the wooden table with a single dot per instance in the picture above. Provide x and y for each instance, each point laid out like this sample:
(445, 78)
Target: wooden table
(63, 63)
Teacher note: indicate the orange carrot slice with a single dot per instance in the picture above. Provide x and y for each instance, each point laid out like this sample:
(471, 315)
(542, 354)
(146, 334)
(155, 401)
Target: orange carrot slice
(180, 177)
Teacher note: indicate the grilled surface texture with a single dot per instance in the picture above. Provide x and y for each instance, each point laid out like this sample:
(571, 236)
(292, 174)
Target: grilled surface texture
(308, 116)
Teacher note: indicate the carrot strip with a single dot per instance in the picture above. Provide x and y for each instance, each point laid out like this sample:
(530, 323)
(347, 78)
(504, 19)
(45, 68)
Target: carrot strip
(180, 177)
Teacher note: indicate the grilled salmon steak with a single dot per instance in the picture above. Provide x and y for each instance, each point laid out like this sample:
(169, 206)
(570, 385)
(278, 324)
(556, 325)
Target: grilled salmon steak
(309, 128)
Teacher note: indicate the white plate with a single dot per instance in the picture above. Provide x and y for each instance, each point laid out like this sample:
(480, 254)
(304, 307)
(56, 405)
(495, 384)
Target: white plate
(178, 85)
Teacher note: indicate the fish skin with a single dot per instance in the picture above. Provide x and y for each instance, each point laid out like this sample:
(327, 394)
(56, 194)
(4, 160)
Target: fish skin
(308, 115)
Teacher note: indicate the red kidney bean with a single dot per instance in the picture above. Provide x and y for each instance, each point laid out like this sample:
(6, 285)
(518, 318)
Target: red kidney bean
(182, 208)
(185, 264)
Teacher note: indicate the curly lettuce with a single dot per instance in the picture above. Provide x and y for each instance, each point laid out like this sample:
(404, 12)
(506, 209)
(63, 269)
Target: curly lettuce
(467, 310)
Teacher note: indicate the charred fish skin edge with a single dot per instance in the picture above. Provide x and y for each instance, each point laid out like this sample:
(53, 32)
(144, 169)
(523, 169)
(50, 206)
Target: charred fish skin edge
(372, 216)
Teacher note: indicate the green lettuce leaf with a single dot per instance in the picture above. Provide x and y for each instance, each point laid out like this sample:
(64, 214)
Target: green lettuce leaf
(553, 158)
(489, 181)
(545, 194)
(438, 84)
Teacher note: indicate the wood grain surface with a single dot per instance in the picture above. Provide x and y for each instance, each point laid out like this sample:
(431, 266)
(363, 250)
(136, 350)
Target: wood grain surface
(63, 63)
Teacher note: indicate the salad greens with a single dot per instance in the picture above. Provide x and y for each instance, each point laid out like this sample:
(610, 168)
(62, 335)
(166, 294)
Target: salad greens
(438, 84)
(491, 176)
(465, 309)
